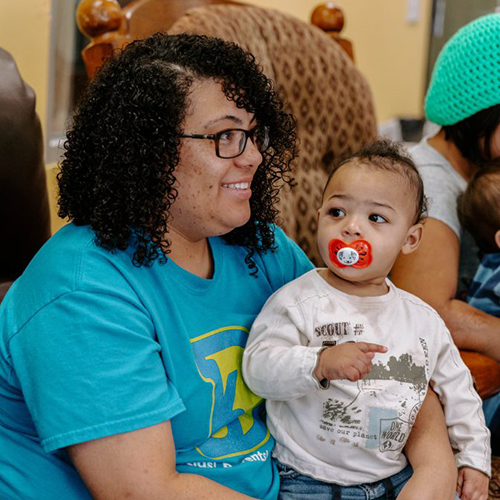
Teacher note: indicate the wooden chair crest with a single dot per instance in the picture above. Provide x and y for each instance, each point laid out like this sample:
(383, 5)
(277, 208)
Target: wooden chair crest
(109, 26)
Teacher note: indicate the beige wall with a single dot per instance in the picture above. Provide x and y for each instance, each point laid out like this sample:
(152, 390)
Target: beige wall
(390, 52)
(25, 33)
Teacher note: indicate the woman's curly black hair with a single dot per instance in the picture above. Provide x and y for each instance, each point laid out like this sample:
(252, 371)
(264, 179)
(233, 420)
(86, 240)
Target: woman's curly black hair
(118, 170)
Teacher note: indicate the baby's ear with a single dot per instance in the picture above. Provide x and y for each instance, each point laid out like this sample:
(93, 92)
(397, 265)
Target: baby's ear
(413, 238)
(497, 238)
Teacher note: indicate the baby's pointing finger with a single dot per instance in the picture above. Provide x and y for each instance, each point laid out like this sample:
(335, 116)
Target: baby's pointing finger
(368, 347)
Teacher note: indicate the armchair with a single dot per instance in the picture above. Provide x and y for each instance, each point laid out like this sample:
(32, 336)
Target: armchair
(24, 206)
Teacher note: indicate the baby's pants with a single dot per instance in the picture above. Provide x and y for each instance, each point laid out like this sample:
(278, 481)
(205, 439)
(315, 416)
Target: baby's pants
(295, 486)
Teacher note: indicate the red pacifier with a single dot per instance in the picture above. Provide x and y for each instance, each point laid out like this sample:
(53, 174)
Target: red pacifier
(357, 254)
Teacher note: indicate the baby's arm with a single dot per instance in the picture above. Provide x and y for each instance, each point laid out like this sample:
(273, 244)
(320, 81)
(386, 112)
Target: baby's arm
(472, 484)
(464, 416)
(280, 361)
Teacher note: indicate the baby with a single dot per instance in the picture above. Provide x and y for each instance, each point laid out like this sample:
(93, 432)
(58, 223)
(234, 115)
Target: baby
(479, 213)
(340, 416)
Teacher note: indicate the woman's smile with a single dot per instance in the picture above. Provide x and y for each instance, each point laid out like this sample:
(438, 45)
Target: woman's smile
(240, 189)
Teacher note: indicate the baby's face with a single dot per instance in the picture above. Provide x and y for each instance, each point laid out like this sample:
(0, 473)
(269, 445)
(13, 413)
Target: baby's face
(369, 209)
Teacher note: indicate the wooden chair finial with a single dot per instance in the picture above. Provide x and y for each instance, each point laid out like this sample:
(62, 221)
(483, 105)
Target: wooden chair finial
(329, 17)
(96, 17)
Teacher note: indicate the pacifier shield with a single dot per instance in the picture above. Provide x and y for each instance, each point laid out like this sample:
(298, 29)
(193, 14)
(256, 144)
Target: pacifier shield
(357, 254)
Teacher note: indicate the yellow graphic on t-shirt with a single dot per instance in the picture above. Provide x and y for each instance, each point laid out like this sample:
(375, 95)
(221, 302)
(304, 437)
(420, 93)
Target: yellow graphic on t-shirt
(243, 397)
(219, 355)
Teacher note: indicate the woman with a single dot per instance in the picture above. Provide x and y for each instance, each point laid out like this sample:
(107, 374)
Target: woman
(122, 342)
(463, 98)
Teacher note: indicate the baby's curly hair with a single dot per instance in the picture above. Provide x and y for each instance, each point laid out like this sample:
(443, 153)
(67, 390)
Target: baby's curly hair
(383, 154)
(478, 207)
(118, 170)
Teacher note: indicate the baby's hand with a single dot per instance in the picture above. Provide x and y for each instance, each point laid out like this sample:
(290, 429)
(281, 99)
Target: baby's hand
(472, 484)
(352, 360)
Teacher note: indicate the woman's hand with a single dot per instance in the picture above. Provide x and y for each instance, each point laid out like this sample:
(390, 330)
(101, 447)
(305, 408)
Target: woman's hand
(420, 488)
(140, 465)
(472, 484)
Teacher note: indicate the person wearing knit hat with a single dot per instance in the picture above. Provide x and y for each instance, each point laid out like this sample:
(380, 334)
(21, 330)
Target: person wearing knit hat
(466, 76)
(463, 98)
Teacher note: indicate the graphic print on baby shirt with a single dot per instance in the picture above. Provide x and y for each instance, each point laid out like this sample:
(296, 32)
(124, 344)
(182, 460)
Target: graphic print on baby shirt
(378, 411)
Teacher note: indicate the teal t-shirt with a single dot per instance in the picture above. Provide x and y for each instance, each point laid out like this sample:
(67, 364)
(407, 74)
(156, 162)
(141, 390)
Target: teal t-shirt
(93, 346)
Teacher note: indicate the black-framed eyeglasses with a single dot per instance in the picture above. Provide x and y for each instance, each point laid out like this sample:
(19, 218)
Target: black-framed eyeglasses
(232, 142)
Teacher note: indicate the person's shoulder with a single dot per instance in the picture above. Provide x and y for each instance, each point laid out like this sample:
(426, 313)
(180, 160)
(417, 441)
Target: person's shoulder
(283, 241)
(60, 257)
(417, 306)
(285, 247)
(434, 168)
(307, 282)
(285, 262)
(488, 271)
(299, 291)
(70, 261)
(484, 292)
(491, 261)
(442, 184)
(72, 255)
(428, 160)
(423, 154)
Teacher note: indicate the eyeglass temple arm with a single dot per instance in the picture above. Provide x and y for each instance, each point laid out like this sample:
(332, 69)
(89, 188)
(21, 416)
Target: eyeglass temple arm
(198, 136)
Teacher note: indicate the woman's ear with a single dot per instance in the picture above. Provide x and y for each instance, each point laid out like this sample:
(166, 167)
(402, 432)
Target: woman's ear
(497, 238)
(413, 238)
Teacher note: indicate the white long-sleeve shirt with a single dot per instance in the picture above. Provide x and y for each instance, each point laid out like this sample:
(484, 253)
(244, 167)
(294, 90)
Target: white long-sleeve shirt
(355, 432)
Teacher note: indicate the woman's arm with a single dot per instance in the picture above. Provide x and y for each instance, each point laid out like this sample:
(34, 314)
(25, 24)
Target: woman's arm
(431, 273)
(140, 465)
(429, 452)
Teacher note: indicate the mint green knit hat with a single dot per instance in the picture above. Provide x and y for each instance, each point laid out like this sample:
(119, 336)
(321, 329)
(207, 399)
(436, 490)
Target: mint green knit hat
(466, 76)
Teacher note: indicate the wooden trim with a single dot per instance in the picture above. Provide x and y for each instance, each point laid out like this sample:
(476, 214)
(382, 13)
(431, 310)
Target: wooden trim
(109, 27)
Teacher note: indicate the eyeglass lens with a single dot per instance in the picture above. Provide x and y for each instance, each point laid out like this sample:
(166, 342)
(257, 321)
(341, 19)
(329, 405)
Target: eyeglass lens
(232, 143)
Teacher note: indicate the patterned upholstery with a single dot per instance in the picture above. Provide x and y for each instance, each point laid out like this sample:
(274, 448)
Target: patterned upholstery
(319, 83)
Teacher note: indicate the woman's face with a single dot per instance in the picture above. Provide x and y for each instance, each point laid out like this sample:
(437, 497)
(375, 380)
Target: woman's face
(213, 193)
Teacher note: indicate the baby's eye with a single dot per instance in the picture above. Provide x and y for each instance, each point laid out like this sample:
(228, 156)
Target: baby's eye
(336, 212)
(377, 218)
